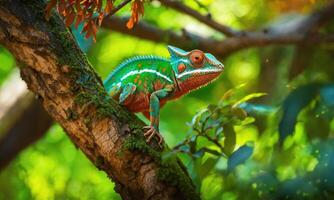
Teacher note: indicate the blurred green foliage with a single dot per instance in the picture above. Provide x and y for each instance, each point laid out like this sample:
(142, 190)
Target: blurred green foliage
(7, 63)
(234, 146)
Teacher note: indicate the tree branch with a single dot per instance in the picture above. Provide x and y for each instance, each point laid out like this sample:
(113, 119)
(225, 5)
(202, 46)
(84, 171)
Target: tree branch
(57, 71)
(32, 125)
(176, 5)
(118, 7)
(295, 32)
(22, 119)
(222, 48)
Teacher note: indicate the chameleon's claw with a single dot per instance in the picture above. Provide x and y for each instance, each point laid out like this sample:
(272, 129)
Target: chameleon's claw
(151, 133)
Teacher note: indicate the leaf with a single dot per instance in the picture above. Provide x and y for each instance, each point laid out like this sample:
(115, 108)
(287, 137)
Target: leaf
(230, 139)
(249, 97)
(100, 18)
(327, 95)
(80, 18)
(108, 7)
(62, 7)
(325, 106)
(240, 156)
(69, 19)
(49, 7)
(292, 105)
(227, 95)
(206, 167)
(257, 109)
(78, 6)
(137, 9)
(239, 113)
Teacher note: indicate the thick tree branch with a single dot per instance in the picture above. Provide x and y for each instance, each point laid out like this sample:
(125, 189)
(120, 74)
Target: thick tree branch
(57, 71)
(219, 48)
(177, 5)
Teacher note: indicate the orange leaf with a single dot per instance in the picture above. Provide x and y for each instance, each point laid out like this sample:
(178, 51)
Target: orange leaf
(94, 31)
(86, 27)
(99, 5)
(49, 7)
(69, 19)
(137, 10)
(100, 18)
(80, 18)
(62, 7)
(108, 7)
(78, 5)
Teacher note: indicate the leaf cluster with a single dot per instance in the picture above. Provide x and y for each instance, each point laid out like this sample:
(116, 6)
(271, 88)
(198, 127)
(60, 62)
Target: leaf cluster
(91, 13)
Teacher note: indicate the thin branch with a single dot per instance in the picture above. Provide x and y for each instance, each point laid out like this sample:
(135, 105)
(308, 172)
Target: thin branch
(118, 7)
(176, 5)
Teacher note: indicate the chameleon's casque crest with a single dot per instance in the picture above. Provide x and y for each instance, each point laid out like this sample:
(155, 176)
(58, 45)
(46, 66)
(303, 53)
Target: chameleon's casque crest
(145, 83)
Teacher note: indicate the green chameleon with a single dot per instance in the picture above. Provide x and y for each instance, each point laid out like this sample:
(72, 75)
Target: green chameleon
(145, 83)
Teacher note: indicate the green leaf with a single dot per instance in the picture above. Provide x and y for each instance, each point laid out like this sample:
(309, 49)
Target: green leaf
(239, 113)
(249, 97)
(293, 104)
(239, 156)
(207, 166)
(230, 139)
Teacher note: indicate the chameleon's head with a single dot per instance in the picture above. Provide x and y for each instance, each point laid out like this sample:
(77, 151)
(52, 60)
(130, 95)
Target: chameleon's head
(194, 69)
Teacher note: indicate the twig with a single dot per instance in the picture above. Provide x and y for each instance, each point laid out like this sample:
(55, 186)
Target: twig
(118, 7)
(205, 19)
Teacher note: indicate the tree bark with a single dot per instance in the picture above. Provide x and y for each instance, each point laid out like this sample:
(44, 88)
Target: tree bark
(57, 71)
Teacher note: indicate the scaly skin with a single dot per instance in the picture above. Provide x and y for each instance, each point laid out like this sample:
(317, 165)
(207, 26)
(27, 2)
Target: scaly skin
(145, 83)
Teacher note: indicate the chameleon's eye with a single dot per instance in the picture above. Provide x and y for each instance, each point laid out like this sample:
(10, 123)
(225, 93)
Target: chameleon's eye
(197, 58)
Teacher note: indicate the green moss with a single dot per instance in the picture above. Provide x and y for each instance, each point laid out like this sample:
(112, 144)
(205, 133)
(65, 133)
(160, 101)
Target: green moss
(137, 142)
(171, 172)
(169, 169)
(71, 115)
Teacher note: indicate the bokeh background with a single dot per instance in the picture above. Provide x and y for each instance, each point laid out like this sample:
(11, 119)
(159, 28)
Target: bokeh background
(300, 110)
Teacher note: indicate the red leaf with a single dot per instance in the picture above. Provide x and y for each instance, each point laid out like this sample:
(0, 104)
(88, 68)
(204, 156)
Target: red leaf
(108, 7)
(78, 5)
(69, 19)
(137, 10)
(49, 7)
(80, 18)
(62, 7)
(100, 18)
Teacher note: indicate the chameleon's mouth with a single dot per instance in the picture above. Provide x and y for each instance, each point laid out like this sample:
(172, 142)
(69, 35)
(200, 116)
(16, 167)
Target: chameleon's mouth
(202, 72)
(221, 66)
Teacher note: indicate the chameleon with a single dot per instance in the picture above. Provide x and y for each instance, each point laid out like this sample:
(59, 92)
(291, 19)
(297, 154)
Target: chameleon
(145, 83)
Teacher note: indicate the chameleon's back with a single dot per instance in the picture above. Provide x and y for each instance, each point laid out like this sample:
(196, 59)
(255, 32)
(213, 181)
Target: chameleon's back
(147, 73)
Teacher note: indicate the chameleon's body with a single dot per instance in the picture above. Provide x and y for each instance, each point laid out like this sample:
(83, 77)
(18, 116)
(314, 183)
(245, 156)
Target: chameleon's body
(145, 83)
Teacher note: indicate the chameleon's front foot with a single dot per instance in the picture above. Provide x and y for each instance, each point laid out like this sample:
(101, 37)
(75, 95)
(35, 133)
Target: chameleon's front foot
(151, 133)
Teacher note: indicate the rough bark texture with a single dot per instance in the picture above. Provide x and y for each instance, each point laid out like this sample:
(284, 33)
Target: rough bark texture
(57, 71)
